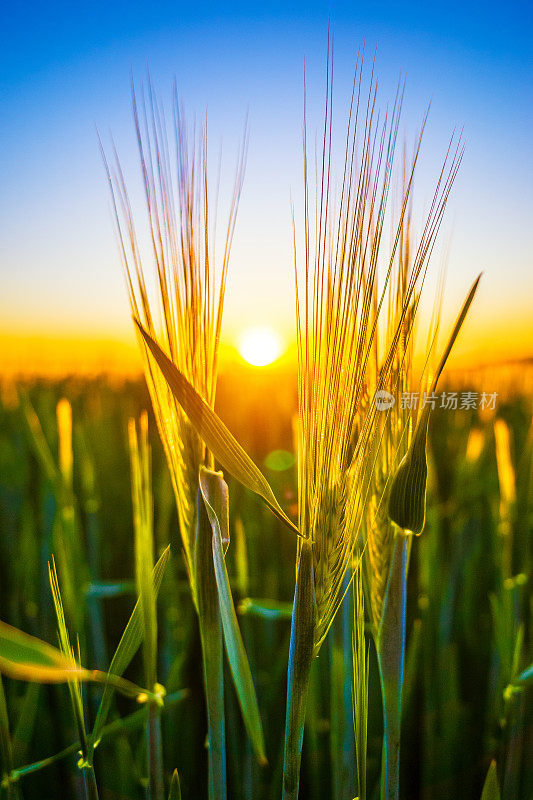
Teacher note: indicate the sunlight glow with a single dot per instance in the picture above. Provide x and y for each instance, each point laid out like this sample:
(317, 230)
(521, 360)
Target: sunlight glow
(261, 346)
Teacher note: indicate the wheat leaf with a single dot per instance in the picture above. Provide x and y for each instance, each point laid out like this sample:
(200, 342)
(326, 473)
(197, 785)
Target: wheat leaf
(226, 449)
(455, 332)
(175, 789)
(212, 650)
(215, 496)
(27, 658)
(119, 727)
(26, 722)
(127, 647)
(38, 440)
(141, 492)
(407, 499)
(491, 790)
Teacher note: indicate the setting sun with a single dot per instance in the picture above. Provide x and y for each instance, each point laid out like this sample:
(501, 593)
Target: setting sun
(260, 346)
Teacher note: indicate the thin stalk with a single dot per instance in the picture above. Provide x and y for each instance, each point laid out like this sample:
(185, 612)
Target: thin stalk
(141, 484)
(155, 752)
(300, 658)
(211, 639)
(89, 779)
(517, 727)
(95, 602)
(360, 671)
(342, 743)
(7, 787)
(390, 647)
(120, 726)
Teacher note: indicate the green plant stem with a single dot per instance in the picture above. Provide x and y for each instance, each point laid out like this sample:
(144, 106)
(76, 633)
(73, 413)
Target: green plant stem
(91, 789)
(6, 748)
(342, 743)
(155, 753)
(120, 726)
(516, 731)
(390, 646)
(300, 658)
(211, 640)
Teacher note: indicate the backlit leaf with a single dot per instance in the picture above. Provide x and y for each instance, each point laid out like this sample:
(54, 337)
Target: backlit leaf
(215, 496)
(26, 658)
(212, 650)
(127, 647)
(226, 449)
(407, 499)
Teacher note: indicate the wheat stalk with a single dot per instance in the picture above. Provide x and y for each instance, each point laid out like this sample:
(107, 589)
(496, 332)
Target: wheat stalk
(185, 309)
(338, 310)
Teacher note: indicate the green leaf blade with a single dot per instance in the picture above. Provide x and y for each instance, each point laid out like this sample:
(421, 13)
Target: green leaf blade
(213, 432)
(175, 788)
(212, 651)
(141, 491)
(127, 647)
(491, 789)
(27, 658)
(215, 496)
(407, 499)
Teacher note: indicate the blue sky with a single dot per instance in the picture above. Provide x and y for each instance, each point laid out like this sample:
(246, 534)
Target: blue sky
(65, 68)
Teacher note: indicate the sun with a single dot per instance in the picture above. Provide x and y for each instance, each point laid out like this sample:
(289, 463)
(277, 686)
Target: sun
(261, 346)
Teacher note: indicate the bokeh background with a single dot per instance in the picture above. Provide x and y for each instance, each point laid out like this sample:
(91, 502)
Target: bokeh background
(66, 332)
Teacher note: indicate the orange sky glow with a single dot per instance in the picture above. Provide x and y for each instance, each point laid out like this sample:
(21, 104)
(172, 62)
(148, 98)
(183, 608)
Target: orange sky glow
(63, 302)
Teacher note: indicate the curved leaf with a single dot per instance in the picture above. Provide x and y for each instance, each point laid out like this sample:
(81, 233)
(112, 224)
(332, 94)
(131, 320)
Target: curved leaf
(407, 499)
(214, 433)
(27, 658)
(127, 647)
(212, 650)
(24, 657)
(215, 496)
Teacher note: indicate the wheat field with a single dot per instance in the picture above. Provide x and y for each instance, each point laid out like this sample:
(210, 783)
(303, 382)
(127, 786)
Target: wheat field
(310, 579)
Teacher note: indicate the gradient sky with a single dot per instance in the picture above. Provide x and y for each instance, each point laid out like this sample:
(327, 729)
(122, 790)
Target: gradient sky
(65, 68)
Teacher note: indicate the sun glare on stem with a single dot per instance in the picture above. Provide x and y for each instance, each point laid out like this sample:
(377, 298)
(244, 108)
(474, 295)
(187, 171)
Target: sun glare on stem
(260, 346)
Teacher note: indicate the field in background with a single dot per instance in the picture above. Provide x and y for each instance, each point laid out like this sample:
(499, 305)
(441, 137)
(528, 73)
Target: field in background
(469, 593)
